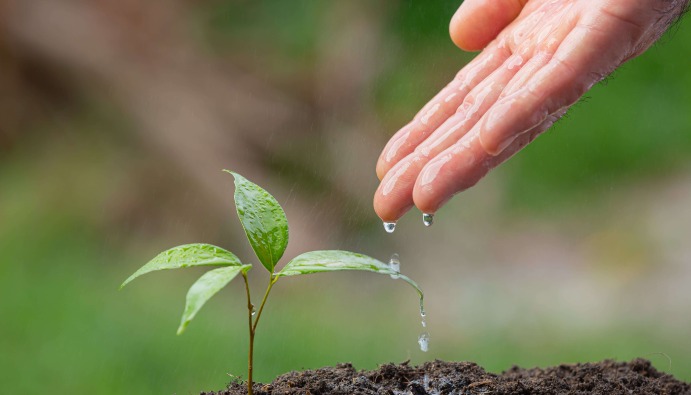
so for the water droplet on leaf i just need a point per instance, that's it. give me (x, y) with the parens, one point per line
(395, 265)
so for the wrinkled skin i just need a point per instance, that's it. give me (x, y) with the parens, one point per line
(538, 58)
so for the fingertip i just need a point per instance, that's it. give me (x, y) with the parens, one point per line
(490, 147)
(428, 194)
(427, 200)
(394, 196)
(380, 170)
(426, 206)
(462, 36)
(477, 22)
(388, 212)
(456, 169)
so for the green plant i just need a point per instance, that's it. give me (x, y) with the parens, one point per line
(266, 227)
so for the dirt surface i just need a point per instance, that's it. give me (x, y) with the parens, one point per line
(466, 378)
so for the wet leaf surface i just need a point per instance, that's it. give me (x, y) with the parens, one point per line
(336, 260)
(263, 219)
(187, 255)
(206, 287)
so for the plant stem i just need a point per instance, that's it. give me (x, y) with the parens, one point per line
(253, 326)
(250, 307)
(261, 306)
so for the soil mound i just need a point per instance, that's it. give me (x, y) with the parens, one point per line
(467, 378)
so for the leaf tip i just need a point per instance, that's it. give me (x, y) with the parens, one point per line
(183, 326)
(181, 329)
(129, 279)
(234, 174)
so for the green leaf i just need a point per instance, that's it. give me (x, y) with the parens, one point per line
(206, 287)
(263, 219)
(334, 260)
(187, 255)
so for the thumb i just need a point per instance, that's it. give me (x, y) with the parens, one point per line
(477, 22)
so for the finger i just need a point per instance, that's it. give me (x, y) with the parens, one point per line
(583, 58)
(539, 44)
(394, 195)
(463, 164)
(477, 22)
(443, 105)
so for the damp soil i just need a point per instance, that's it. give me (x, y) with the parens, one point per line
(467, 378)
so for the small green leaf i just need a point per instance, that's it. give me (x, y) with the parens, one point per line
(263, 219)
(187, 255)
(334, 260)
(206, 287)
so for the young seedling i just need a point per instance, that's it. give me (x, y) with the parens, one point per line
(266, 227)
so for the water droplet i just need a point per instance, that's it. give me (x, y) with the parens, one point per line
(423, 341)
(428, 219)
(423, 314)
(254, 311)
(395, 265)
(389, 227)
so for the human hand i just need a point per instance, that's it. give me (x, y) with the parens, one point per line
(539, 58)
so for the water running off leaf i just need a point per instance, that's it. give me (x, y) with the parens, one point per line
(395, 265)
(335, 260)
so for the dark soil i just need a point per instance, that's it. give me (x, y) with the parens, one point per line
(466, 378)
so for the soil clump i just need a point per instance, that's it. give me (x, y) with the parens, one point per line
(467, 378)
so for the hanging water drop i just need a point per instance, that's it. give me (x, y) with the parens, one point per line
(427, 219)
(389, 227)
(423, 341)
(254, 311)
(395, 265)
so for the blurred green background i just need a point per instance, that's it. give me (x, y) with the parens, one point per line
(117, 116)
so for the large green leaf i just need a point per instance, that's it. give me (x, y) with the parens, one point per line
(263, 219)
(334, 260)
(187, 255)
(206, 287)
